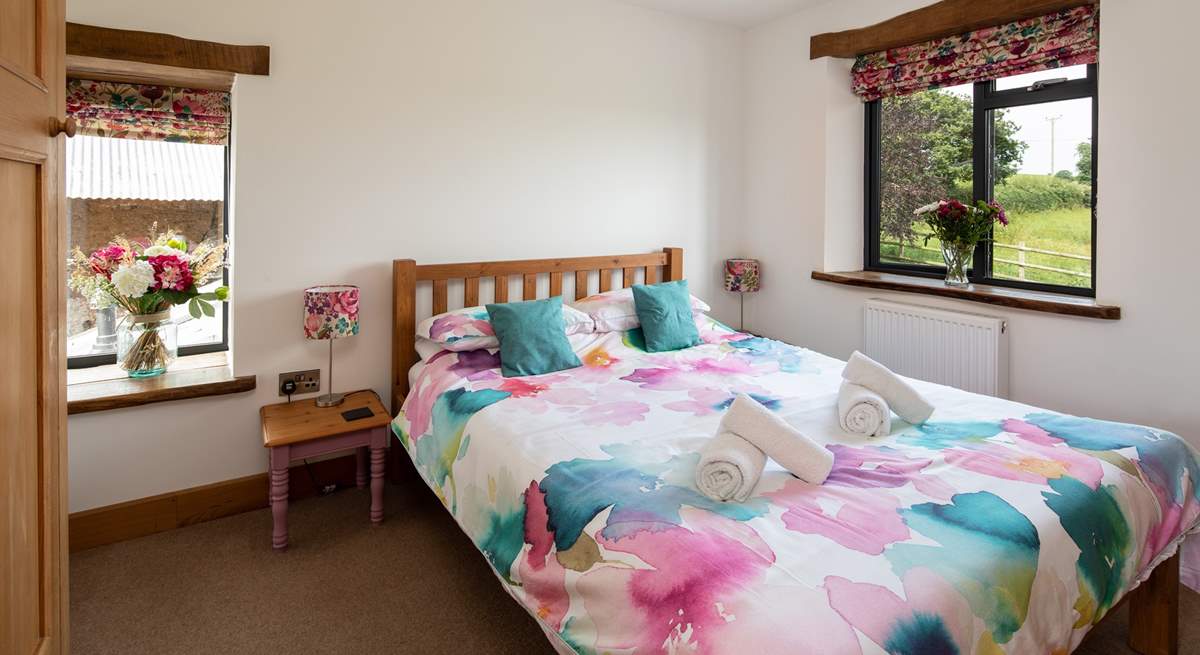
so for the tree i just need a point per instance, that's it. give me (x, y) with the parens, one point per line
(926, 147)
(1083, 162)
(1064, 174)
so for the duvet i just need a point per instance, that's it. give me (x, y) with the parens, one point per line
(994, 528)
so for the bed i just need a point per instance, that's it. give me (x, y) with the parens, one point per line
(996, 527)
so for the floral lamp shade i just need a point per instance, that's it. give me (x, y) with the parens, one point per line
(742, 275)
(331, 312)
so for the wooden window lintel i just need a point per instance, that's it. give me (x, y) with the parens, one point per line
(938, 20)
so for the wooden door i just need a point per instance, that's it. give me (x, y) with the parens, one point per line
(33, 495)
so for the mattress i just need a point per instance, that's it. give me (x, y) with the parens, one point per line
(995, 527)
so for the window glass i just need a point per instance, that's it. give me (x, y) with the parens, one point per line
(123, 187)
(1040, 152)
(1029, 79)
(1042, 174)
(925, 154)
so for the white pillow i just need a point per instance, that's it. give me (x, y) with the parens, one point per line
(469, 328)
(427, 348)
(614, 311)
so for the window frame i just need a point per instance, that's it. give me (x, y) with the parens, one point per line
(986, 99)
(89, 361)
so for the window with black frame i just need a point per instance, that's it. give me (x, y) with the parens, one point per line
(1026, 140)
(147, 159)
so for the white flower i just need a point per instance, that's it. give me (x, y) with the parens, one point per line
(164, 250)
(134, 280)
(101, 299)
(927, 208)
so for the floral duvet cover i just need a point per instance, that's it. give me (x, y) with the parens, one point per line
(994, 528)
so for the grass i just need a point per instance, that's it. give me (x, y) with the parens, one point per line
(1065, 231)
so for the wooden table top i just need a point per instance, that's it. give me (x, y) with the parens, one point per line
(302, 420)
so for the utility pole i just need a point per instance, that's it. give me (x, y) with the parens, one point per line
(1053, 120)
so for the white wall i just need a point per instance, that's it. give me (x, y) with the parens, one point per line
(804, 212)
(442, 130)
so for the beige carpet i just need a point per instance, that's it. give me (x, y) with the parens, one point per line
(413, 585)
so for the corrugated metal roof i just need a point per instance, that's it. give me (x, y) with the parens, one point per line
(101, 167)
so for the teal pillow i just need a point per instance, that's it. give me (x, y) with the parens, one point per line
(533, 339)
(665, 312)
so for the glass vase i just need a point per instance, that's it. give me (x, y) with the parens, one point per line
(958, 261)
(147, 344)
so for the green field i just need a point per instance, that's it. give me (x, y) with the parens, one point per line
(1065, 231)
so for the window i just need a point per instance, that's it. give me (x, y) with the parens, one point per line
(123, 186)
(1026, 141)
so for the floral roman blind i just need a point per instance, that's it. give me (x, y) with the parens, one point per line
(154, 113)
(1063, 38)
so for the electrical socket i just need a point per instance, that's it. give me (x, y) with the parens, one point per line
(306, 381)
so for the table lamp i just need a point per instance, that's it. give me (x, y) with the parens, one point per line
(742, 276)
(330, 312)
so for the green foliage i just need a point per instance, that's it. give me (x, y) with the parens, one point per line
(201, 303)
(1066, 231)
(1083, 162)
(926, 152)
(1026, 194)
(1065, 175)
(960, 224)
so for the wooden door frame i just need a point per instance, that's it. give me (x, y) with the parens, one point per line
(22, 142)
(52, 324)
(53, 315)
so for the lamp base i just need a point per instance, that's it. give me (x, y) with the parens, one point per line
(331, 399)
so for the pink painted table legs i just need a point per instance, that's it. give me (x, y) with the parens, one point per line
(377, 467)
(369, 444)
(279, 497)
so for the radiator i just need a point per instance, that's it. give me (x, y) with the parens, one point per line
(968, 351)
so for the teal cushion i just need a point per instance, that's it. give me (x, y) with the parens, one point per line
(533, 339)
(665, 312)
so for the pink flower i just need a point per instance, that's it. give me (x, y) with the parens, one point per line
(105, 260)
(312, 323)
(171, 272)
(1000, 215)
(347, 303)
(185, 107)
(952, 209)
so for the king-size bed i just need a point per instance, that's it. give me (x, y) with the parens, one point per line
(995, 527)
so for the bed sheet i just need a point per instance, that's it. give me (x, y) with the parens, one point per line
(996, 527)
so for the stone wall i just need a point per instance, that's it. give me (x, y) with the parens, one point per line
(92, 222)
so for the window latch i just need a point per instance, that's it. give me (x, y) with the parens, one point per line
(1041, 84)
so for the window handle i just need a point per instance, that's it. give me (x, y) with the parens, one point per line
(1041, 84)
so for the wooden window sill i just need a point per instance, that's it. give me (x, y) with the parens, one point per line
(1036, 301)
(103, 388)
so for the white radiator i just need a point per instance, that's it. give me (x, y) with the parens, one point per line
(968, 351)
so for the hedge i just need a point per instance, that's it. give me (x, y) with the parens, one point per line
(1026, 194)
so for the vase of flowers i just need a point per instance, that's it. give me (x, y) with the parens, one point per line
(958, 258)
(147, 344)
(146, 277)
(959, 227)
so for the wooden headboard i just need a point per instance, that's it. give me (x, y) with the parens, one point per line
(407, 275)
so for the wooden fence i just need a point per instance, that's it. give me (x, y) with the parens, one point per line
(1020, 262)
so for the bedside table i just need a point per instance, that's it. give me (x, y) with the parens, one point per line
(300, 429)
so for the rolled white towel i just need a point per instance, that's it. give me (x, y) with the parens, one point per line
(862, 411)
(803, 457)
(729, 467)
(900, 396)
